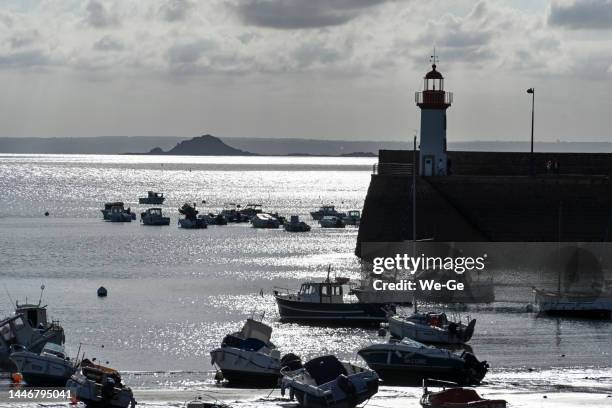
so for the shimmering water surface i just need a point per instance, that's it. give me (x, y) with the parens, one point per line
(173, 294)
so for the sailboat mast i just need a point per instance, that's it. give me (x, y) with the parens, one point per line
(414, 170)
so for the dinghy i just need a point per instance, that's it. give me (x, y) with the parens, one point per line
(409, 362)
(327, 382)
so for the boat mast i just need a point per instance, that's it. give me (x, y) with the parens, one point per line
(559, 249)
(414, 168)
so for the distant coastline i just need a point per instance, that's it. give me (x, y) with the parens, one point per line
(140, 145)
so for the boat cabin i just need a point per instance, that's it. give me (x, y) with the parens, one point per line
(154, 212)
(15, 330)
(109, 206)
(36, 315)
(153, 194)
(52, 349)
(320, 292)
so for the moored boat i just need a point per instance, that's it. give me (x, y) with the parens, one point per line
(352, 217)
(409, 362)
(295, 225)
(154, 216)
(323, 302)
(431, 327)
(152, 198)
(578, 304)
(191, 220)
(332, 222)
(327, 382)
(248, 357)
(264, 220)
(325, 211)
(119, 214)
(49, 368)
(455, 397)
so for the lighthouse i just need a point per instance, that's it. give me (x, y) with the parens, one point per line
(433, 101)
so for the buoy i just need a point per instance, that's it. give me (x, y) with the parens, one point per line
(102, 292)
(16, 378)
(46, 213)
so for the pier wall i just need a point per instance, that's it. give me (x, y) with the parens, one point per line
(492, 197)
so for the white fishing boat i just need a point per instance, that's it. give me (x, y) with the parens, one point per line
(264, 220)
(431, 327)
(327, 382)
(49, 368)
(154, 216)
(100, 387)
(332, 222)
(152, 198)
(248, 357)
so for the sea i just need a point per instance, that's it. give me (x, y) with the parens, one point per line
(173, 294)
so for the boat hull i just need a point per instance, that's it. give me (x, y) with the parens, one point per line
(574, 306)
(401, 328)
(40, 371)
(333, 313)
(310, 401)
(247, 368)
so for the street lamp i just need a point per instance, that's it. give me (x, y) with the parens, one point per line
(532, 92)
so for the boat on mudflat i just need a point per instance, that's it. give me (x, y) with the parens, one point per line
(431, 327)
(326, 382)
(248, 357)
(49, 368)
(323, 303)
(100, 387)
(455, 397)
(408, 362)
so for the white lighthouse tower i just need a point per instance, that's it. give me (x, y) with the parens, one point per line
(433, 101)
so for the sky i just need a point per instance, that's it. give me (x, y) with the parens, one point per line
(320, 69)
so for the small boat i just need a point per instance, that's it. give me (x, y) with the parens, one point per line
(409, 362)
(263, 220)
(295, 225)
(107, 212)
(213, 219)
(332, 222)
(233, 214)
(49, 368)
(323, 302)
(100, 387)
(456, 397)
(327, 382)
(119, 214)
(325, 211)
(431, 327)
(578, 304)
(248, 357)
(353, 217)
(154, 216)
(36, 315)
(198, 402)
(191, 220)
(251, 209)
(17, 334)
(152, 198)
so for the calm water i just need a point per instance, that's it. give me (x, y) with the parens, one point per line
(173, 294)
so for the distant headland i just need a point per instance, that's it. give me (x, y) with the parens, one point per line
(206, 145)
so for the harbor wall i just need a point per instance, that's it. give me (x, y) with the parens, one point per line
(492, 197)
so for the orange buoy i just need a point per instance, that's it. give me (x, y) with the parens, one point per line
(16, 378)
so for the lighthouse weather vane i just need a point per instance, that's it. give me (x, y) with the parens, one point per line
(434, 58)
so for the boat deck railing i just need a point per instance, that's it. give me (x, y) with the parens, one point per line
(393, 169)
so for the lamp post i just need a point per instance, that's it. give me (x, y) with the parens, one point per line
(532, 92)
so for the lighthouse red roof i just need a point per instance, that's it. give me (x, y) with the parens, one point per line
(433, 74)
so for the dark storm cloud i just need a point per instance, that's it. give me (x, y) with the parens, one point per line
(582, 14)
(296, 14)
(175, 10)
(98, 16)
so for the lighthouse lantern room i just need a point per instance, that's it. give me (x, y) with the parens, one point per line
(433, 101)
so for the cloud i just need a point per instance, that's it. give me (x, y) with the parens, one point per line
(108, 43)
(581, 14)
(298, 14)
(24, 59)
(175, 10)
(98, 16)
